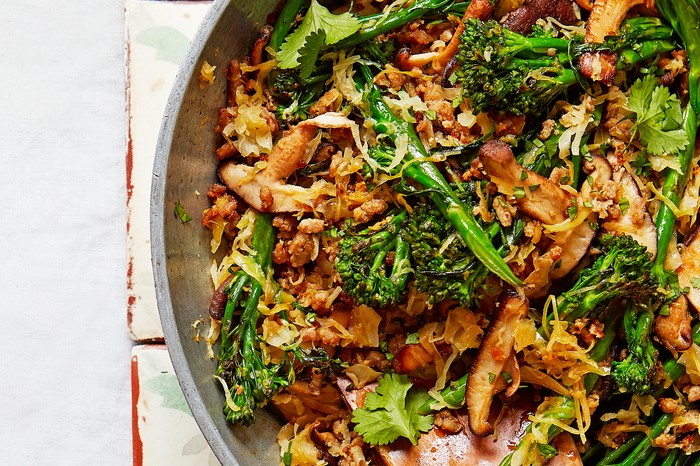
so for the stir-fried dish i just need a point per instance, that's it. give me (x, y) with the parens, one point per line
(463, 232)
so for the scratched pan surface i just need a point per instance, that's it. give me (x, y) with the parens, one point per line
(185, 166)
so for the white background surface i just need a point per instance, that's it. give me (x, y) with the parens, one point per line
(65, 352)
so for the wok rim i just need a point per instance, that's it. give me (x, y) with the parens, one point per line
(158, 256)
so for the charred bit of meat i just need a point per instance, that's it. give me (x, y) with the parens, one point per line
(599, 66)
(524, 17)
(447, 422)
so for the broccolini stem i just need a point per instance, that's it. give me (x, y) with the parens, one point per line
(598, 353)
(380, 23)
(593, 453)
(622, 450)
(284, 22)
(453, 395)
(236, 286)
(629, 57)
(427, 174)
(670, 459)
(695, 461)
(263, 243)
(251, 383)
(651, 459)
(642, 448)
(674, 370)
(684, 16)
(600, 350)
(673, 188)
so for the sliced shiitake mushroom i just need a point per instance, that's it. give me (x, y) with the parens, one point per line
(495, 349)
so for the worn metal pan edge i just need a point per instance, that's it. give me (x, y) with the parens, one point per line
(183, 170)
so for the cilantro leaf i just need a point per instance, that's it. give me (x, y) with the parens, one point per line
(392, 411)
(317, 18)
(658, 117)
(660, 142)
(640, 95)
(309, 53)
(181, 214)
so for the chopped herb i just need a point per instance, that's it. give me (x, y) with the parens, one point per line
(181, 214)
(573, 210)
(384, 348)
(519, 192)
(641, 164)
(565, 180)
(412, 338)
(430, 114)
(507, 377)
(492, 377)
(624, 205)
(588, 204)
(287, 456)
(533, 187)
(523, 175)
(695, 282)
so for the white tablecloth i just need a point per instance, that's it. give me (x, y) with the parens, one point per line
(65, 385)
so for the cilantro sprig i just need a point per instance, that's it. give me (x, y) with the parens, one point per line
(659, 119)
(393, 411)
(319, 27)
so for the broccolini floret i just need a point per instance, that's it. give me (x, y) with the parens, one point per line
(623, 270)
(636, 372)
(295, 95)
(444, 267)
(506, 71)
(374, 263)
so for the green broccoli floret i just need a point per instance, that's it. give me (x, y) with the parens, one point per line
(295, 95)
(623, 270)
(506, 71)
(374, 264)
(636, 372)
(495, 74)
